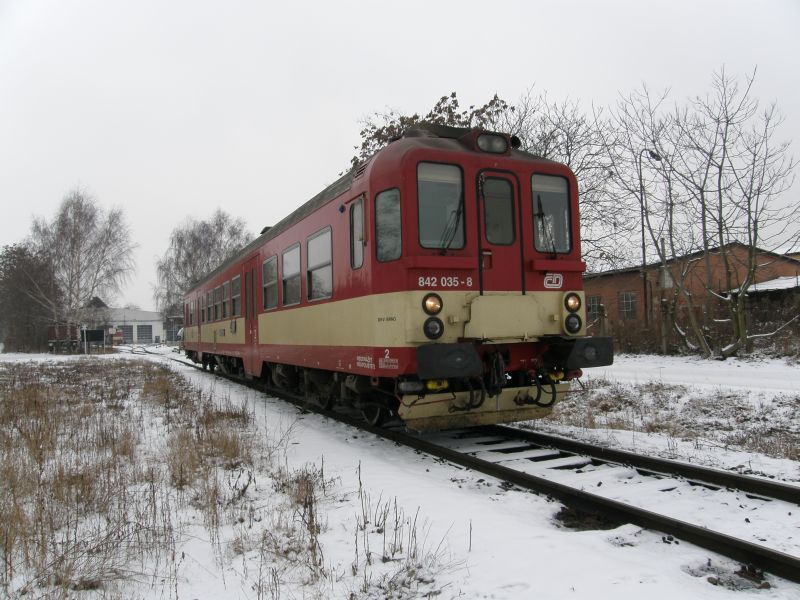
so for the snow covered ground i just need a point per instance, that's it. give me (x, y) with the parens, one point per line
(473, 537)
(736, 414)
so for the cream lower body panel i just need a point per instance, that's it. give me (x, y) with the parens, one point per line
(433, 411)
(395, 319)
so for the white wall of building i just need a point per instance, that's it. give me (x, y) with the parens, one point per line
(139, 326)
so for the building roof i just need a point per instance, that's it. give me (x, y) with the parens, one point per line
(781, 283)
(130, 315)
(787, 257)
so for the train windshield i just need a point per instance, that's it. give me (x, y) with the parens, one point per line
(440, 196)
(551, 214)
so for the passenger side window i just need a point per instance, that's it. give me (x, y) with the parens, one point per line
(290, 268)
(226, 292)
(236, 296)
(388, 230)
(320, 270)
(269, 275)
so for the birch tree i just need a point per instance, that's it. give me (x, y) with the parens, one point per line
(90, 253)
(195, 249)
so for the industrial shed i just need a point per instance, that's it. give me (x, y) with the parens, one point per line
(137, 326)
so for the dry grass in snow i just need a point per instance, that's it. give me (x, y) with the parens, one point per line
(725, 419)
(117, 476)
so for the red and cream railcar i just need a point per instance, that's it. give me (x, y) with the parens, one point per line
(440, 281)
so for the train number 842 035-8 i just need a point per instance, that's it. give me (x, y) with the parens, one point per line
(444, 281)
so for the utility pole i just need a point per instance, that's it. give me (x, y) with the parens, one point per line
(643, 212)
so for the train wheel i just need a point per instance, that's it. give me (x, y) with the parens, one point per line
(374, 414)
(325, 401)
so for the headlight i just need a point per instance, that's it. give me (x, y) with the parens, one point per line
(432, 304)
(572, 302)
(433, 328)
(496, 144)
(573, 323)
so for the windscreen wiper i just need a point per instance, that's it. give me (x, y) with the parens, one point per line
(547, 228)
(451, 228)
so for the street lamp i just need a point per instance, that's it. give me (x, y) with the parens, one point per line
(656, 157)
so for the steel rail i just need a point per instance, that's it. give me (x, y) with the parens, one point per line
(716, 477)
(767, 559)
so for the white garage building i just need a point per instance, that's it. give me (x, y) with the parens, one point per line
(137, 326)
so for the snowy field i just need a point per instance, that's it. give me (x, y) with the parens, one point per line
(742, 415)
(394, 523)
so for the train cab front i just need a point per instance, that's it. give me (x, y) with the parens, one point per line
(486, 366)
(495, 307)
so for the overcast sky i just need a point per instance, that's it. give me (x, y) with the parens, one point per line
(170, 109)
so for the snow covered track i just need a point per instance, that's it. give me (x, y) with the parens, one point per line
(658, 466)
(511, 458)
(626, 487)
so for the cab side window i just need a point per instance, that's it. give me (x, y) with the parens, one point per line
(357, 234)
(388, 229)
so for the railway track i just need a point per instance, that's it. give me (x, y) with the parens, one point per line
(625, 487)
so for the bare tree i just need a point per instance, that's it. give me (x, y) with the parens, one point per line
(559, 131)
(380, 128)
(195, 249)
(705, 176)
(90, 253)
(562, 131)
(735, 140)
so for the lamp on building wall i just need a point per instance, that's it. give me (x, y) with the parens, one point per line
(652, 155)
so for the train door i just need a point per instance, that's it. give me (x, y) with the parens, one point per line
(252, 359)
(500, 257)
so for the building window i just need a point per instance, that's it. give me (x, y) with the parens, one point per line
(440, 200)
(319, 275)
(627, 305)
(388, 226)
(269, 275)
(236, 296)
(593, 304)
(357, 233)
(290, 268)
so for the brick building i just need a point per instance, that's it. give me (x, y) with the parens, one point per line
(631, 299)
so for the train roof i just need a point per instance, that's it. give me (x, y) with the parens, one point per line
(334, 190)
(432, 134)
